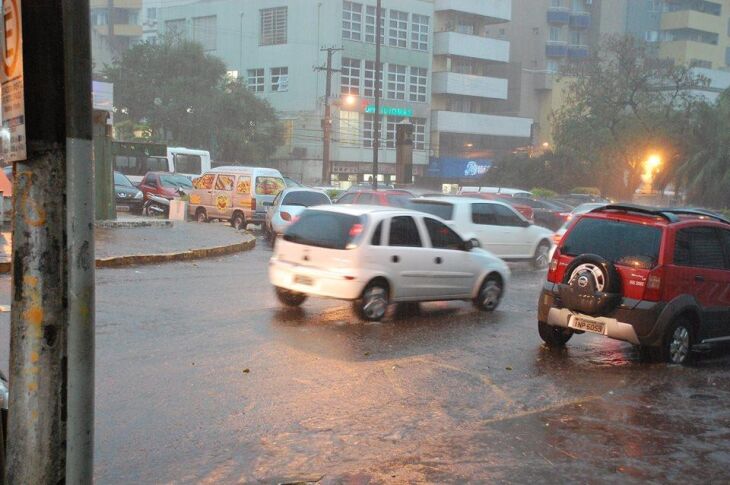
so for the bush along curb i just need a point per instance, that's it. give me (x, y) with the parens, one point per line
(143, 259)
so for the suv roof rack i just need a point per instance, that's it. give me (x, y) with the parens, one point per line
(640, 209)
(669, 213)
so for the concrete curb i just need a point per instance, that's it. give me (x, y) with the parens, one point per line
(143, 259)
(132, 224)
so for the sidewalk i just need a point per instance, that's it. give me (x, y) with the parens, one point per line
(138, 240)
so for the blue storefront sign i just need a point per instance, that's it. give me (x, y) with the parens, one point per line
(457, 168)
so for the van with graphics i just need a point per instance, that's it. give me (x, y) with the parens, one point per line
(240, 195)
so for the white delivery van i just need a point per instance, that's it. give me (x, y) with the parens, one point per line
(237, 194)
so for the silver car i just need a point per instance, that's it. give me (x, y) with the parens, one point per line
(288, 205)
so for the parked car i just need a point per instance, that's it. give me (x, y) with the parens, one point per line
(390, 197)
(236, 194)
(523, 209)
(653, 277)
(493, 225)
(546, 214)
(376, 255)
(581, 209)
(127, 196)
(164, 184)
(496, 190)
(287, 207)
(575, 200)
(290, 182)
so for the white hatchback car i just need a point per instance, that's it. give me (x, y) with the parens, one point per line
(495, 226)
(377, 255)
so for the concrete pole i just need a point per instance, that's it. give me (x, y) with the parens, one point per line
(52, 288)
(327, 122)
(79, 242)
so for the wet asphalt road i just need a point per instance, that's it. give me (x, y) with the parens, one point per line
(203, 378)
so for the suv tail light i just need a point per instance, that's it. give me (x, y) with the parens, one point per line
(653, 289)
(552, 275)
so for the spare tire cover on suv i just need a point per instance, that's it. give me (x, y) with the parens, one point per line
(591, 285)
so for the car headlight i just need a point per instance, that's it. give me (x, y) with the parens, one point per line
(138, 195)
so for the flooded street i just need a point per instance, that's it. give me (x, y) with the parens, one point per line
(203, 378)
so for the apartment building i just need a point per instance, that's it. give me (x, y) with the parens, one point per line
(470, 88)
(544, 36)
(427, 46)
(117, 22)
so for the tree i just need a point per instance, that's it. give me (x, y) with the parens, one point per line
(621, 105)
(706, 173)
(174, 92)
(548, 170)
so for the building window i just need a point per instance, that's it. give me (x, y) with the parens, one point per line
(279, 79)
(419, 133)
(464, 27)
(576, 38)
(273, 26)
(99, 17)
(700, 63)
(556, 34)
(175, 27)
(255, 80)
(651, 36)
(350, 128)
(352, 20)
(205, 32)
(417, 85)
(369, 79)
(463, 66)
(419, 32)
(396, 81)
(552, 66)
(151, 14)
(350, 76)
(370, 16)
(398, 29)
(368, 127)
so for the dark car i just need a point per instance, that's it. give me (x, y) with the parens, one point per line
(127, 196)
(547, 214)
(657, 278)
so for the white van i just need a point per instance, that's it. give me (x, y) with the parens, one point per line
(237, 194)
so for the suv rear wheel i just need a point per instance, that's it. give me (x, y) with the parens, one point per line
(678, 340)
(553, 336)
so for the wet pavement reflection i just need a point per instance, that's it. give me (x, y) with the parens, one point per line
(203, 378)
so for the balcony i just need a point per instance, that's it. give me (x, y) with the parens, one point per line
(469, 85)
(496, 11)
(556, 49)
(558, 15)
(464, 45)
(691, 19)
(580, 20)
(479, 124)
(578, 51)
(121, 30)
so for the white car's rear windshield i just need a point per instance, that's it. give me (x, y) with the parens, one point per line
(444, 210)
(324, 229)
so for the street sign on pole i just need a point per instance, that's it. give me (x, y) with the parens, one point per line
(12, 144)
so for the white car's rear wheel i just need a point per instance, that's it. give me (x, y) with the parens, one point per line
(373, 303)
(290, 298)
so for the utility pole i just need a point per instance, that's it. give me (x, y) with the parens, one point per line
(378, 78)
(327, 121)
(50, 419)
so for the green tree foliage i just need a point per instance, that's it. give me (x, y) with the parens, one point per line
(176, 93)
(706, 173)
(550, 170)
(621, 105)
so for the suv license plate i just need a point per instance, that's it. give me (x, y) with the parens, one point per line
(303, 280)
(580, 323)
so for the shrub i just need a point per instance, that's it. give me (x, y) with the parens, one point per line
(543, 193)
(587, 191)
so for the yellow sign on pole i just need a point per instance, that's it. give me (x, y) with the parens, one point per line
(12, 133)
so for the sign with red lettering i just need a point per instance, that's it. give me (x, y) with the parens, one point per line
(12, 133)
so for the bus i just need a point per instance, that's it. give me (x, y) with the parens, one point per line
(135, 159)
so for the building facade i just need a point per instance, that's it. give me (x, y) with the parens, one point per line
(117, 22)
(276, 46)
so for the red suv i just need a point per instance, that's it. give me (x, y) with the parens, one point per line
(657, 278)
